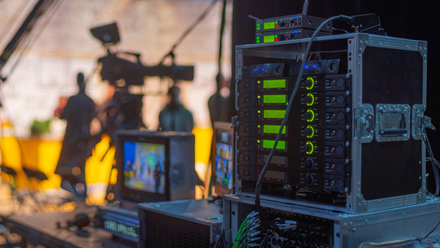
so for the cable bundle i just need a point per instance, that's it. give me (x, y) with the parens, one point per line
(249, 232)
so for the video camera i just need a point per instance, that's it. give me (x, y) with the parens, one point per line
(115, 68)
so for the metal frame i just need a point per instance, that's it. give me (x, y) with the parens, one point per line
(356, 44)
(349, 230)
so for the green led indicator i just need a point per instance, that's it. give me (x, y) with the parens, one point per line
(258, 82)
(258, 141)
(312, 100)
(270, 143)
(269, 25)
(274, 114)
(273, 129)
(312, 132)
(258, 28)
(274, 98)
(312, 83)
(269, 38)
(259, 111)
(311, 147)
(258, 41)
(258, 97)
(274, 83)
(312, 115)
(258, 126)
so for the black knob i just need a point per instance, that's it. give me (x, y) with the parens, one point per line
(308, 147)
(280, 37)
(309, 132)
(309, 82)
(307, 115)
(280, 23)
(310, 163)
(309, 180)
(307, 99)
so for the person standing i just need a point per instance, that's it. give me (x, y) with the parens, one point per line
(77, 143)
(218, 104)
(175, 117)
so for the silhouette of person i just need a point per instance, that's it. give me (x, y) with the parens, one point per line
(218, 105)
(175, 117)
(77, 143)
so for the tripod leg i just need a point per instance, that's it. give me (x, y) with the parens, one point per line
(67, 186)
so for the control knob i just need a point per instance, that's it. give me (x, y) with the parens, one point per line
(309, 180)
(308, 147)
(310, 163)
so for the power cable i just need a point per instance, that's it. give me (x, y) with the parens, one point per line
(434, 162)
(283, 122)
(222, 29)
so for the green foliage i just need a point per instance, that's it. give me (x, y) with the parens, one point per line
(40, 127)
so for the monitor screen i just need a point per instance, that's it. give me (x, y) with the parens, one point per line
(223, 169)
(144, 166)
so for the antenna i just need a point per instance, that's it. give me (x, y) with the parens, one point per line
(255, 18)
(305, 7)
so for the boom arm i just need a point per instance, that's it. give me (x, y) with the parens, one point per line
(22, 34)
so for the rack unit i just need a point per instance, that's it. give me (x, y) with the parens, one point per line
(339, 229)
(352, 142)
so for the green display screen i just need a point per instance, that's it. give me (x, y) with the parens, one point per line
(275, 114)
(269, 25)
(269, 38)
(274, 83)
(269, 144)
(273, 129)
(274, 99)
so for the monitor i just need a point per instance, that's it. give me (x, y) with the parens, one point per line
(155, 166)
(223, 169)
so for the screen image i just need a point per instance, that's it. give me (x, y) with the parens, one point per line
(144, 167)
(224, 174)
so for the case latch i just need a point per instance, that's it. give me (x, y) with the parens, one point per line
(364, 117)
(393, 122)
(419, 121)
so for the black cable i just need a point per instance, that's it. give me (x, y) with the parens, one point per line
(222, 28)
(339, 29)
(31, 41)
(432, 230)
(50, 243)
(435, 165)
(434, 162)
(289, 106)
(189, 30)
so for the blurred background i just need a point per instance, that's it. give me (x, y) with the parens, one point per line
(41, 74)
(61, 45)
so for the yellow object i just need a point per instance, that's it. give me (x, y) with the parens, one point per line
(43, 155)
(11, 157)
(203, 138)
(97, 170)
